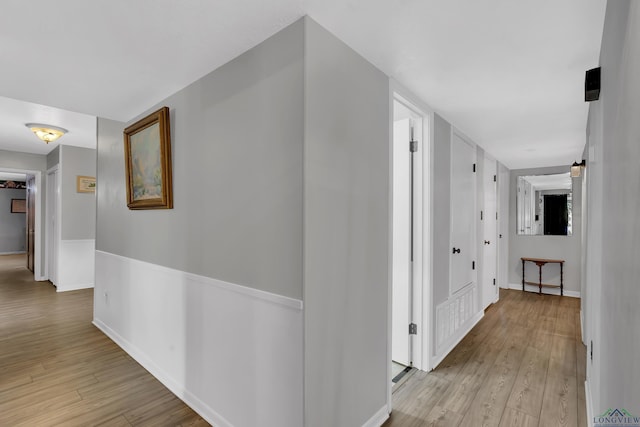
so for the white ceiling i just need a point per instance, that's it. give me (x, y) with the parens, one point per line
(509, 74)
(559, 181)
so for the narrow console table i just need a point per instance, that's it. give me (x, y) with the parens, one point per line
(540, 262)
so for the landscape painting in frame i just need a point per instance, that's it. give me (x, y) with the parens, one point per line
(147, 145)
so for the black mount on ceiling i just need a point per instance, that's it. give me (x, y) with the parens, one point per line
(592, 85)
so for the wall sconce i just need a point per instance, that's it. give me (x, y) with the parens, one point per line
(576, 169)
(47, 133)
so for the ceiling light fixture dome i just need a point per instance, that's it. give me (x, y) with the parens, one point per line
(47, 133)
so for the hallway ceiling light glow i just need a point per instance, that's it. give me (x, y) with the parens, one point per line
(576, 169)
(47, 133)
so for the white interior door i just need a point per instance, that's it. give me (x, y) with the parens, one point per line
(52, 226)
(401, 269)
(463, 193)
(489, 224)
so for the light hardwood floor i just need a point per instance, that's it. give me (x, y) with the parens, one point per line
(523, 364)
(56, 368)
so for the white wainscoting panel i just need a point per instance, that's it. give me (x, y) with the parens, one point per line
(454, 319)
(232, 353)
(76, 264)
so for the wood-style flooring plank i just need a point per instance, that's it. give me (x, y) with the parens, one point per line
(56, 368)
(423, 397)
(521, 365)
(528, 389)
(442, 417)
(514, 418)
(490, 400)
(560, 402)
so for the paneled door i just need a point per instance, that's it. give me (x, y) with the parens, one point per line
(489, 232)
(401, 270)
(463, 217)
(31, 220)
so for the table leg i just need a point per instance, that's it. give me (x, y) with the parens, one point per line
(523, 275)
(561, 284)
(540, 278)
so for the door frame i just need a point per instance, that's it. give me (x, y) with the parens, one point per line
(38, 273)
(54, 233)
(489, 216)
(422, 283)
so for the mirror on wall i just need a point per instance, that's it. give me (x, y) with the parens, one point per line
(544, 205)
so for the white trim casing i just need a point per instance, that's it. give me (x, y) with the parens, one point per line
(38, 273)
(232, 353)
(423, 295)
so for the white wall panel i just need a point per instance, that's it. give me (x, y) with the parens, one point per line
(76, 264)
(234, 354)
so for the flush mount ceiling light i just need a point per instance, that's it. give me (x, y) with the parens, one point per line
(47, 133)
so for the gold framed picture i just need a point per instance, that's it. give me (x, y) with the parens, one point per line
(147, 147)
(18, 206)
(85, 184)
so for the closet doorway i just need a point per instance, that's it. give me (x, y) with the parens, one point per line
(410, 243)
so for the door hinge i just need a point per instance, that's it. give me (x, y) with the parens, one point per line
(474, 168)
(481, 216)
(591, 351)
(496, 216)
(473, 265)
(494, 282)
(495, 178)
(413, 146)
(413, 329)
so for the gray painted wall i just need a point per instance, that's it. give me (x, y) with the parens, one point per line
(441, 212)
(613, 206)
(557, 247)
(78, 209)
(346, 227)
(53, 158)
(237, 138)
(31, 162)
(15, 160)
(12, 225)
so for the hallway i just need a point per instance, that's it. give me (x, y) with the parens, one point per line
(58, 369)
(523, 364)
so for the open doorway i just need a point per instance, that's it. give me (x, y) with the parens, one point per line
(410, 241)
(24, 235)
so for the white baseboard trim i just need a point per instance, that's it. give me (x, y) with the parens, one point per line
(548, 291)
(589, 403)
(73, 287)
(196, 404)
(13, 253)
(378, 418)
(435, 361)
